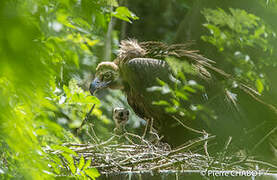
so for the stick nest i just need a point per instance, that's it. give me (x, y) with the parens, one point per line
(121, 154)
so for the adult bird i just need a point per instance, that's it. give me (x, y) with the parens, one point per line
(140, 68)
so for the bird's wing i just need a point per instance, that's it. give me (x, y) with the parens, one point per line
(161, 50)
(140, 79)
(142, 73)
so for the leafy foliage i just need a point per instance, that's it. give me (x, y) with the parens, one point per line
(46, 47)
(238, 35)
(185, 93)
(66, 165)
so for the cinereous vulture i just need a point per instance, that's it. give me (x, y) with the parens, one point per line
(237, 110)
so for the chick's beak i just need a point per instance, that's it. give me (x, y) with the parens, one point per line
(96, 85)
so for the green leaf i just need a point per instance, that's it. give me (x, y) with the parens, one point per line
(190, 89)
(56, 160)
(75, 59)
(181, 95)
(56, 167)
(171, 110)
(259, 85)
(161, 103)
(81, 162)
(64, 149)
(124, 14)
(70, 162)
(87, 164)
(113, 3)
(92, 173)
(162, 83)
(62, 17)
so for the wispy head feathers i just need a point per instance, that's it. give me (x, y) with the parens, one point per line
(130, 49)
(106, 65)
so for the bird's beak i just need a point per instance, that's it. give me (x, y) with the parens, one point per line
(97, 84)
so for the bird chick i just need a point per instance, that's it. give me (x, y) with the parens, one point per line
(120, 117)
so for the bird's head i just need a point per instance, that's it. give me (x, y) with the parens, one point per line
(120, 115)
(107, 76)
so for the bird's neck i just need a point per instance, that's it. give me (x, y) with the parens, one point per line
(118, 84)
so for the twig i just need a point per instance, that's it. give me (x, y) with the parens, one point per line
(238, 162)
(167, 164)
(92, 130)
(188, 128)
(140, 138)
(261, 163)
(94, 146)
(191, 145)
(206, 145)
(264, 138)
(74, 144)
(130, 141)
(222, 155)
(96, 141)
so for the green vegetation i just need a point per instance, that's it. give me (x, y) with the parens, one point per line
(49, 50)
(237, 34)
(45, 47)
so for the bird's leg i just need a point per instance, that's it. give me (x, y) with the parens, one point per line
(145, 130)
(124, 128)
(116, 132)
(120, 131)
(153, 131)
(124, 131)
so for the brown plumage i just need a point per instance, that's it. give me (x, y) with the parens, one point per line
(138, 66)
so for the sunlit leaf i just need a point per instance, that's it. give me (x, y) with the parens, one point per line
(70, 162)
(123, 13)
(259, 86)
(92, 173)
(161, 103)
(81, 162)
(87, 164)
(64, 149)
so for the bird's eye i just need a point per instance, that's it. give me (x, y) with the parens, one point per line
(128, 113)
(107, 76)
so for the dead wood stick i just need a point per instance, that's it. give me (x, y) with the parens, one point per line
(261, 163)
(264, 138)
(82, 149)
(190, 145)
(187, 127)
